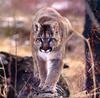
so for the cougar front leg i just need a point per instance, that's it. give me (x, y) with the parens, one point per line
(53, 75)
(42, 72)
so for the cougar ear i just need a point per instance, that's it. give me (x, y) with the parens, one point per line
(55, 26)
(36, 27)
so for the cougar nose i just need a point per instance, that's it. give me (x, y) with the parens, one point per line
(47, 50)
(45, 47)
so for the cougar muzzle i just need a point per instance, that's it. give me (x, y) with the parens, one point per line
(45, 44)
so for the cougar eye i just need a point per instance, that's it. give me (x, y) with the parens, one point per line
(53, 42)
(38, 39)
(36, 27)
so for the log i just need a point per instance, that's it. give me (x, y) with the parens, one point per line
(20, 79)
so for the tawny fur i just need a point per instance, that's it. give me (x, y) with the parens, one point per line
(50, 64)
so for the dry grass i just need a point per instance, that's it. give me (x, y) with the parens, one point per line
(7, 46)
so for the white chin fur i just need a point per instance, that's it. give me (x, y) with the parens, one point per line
(45, 51)
(43, 54)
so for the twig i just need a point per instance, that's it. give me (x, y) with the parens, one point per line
(2, 76)
(5, 79)
(24, 85)
(92, 66)
(16, 66)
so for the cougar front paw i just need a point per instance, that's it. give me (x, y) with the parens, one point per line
(41, 85)
(49, 89)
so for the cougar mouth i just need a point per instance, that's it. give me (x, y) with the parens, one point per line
(46, 50)
(45, 44)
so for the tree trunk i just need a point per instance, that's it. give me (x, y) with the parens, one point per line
(92, 33)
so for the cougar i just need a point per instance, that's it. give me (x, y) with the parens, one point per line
(50, 32)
